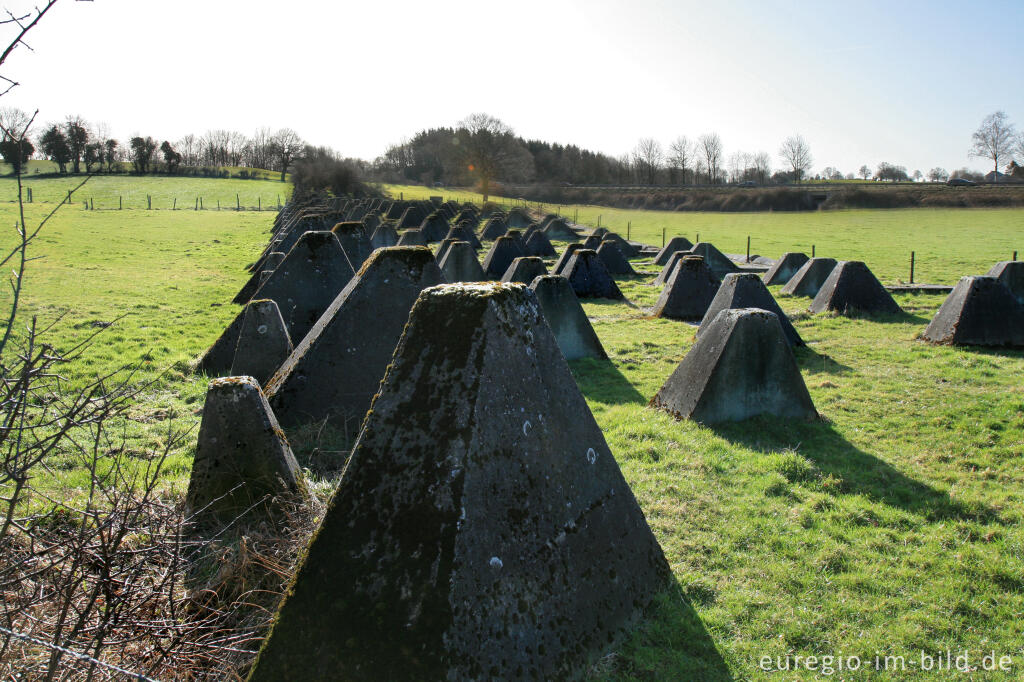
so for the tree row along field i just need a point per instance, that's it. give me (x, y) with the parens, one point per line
(948, 243)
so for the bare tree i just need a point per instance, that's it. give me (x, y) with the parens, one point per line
(709, 146)
(286, 145)
(188, 147)
(864, 171)
(681, 156)
(762, 165)
(647, 158)
(994, 139)
(486, 144)
(938, 174)
(797, 155)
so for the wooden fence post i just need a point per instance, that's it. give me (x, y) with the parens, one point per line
(812, 250)
(748, 248)
(174, 206)
(238, 202)
(120, 203)
(911, 267)
(663, 237)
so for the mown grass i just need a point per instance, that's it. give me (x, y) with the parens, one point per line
(891, 526)
(948, 243)
(103, 192)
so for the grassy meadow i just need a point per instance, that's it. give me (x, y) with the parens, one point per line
(890, 527)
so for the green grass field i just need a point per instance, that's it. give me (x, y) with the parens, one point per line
(891, 527)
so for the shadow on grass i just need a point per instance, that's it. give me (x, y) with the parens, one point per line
(602, 381)
(813, 362)
(670, 644)
(860, 472)
(608, 301)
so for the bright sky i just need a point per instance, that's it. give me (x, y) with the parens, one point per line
(863, 82)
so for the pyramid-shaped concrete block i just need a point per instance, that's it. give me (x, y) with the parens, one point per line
(443, 247)
(263, 342)
(592, 242)
(384, 236)
(589, 277)
(564, 259)
(518, 218)
(716, 261)
(524, 270)
(852, 289)
(412, 237)
(434, 227)
(268, 264)
(218, 357)
(334, 372)
(489, 536)
(1011, 274)
(564, 314)
(688, 292)
(980, 311)
(463, 233)
(371, 221)
(808, 279)
(558, 229)
(459, 264)
(672, 263)
(503, 251)
(611, 255)
(746, 290)
(740, 367)
(628, 250)
(785, 268)
(494, 227)
(537, 244)
(675, 244)
(311, 276)
(242, 457)
(355, 241)
(411, 217)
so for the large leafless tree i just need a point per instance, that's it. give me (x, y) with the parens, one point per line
(487, 145)
(994, 139)
(647, 159)
(680, 156)
(797, 155)
(709, 146)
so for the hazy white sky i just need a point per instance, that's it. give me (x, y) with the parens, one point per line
(863, 82)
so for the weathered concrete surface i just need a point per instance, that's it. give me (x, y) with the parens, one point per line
(434, 227)
(746, 290)
(564, 314)
(334, 372)
(1011, 274)
(384, 236)
(524, 270)
(443, 247)
(263, 342)
(460, 264)
(218, 357)
(564, 259)
(312, 274)
(355, 241)
(269, 264)
(785, 268)
(464, 233)
(412, 237)
(482, 528)
(538, 244)
(675, 244)
(592, 242)
(689, 291)
(371, 221)
(852, 288)
(559, 229)
(981, 311)
(412, 217)
(589, 277)
(612, 257)
(716, 261)
(494, 227)
(808, 279)
(740, 367)
(517, 236)
(518, 218)
(672, 263)
(503, 251)
(627, 249)
(242, 456)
